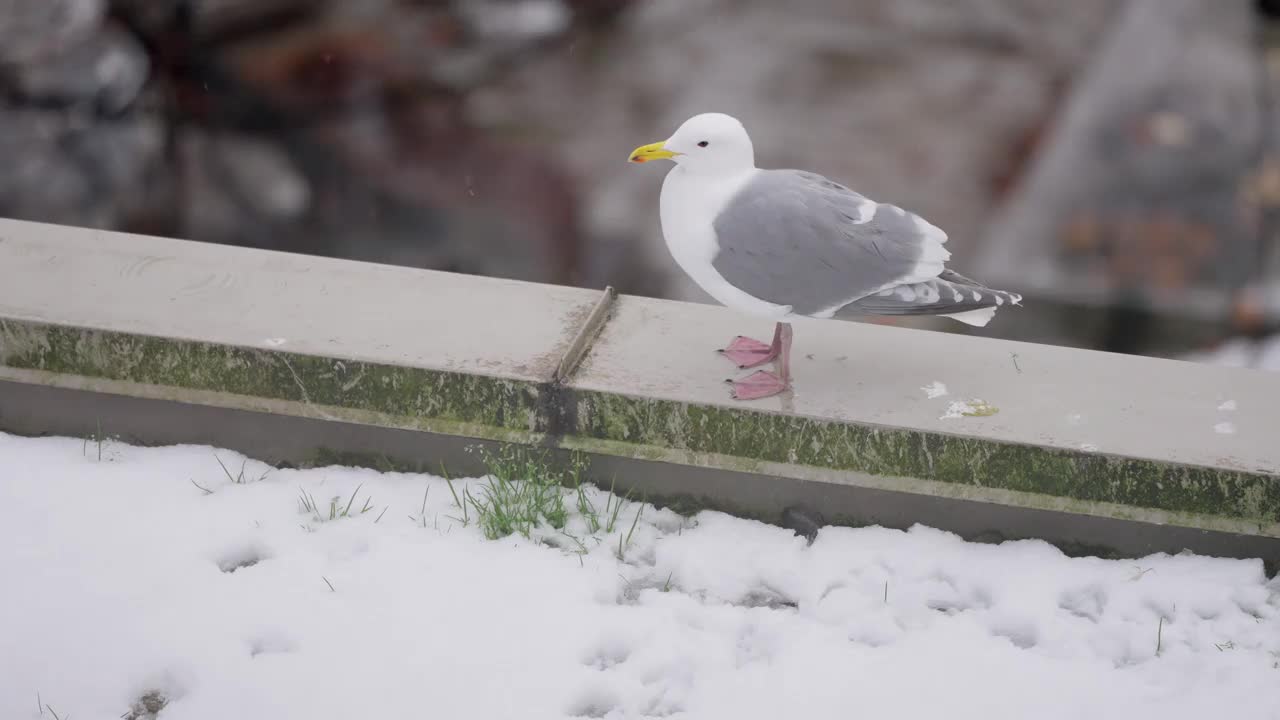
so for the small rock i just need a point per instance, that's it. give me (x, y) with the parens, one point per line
(32, 30)
(107, 70)
(806, 523)
(62, 168)
(147, 707)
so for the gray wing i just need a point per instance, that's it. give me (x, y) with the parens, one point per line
(796, 238)
(949, 294)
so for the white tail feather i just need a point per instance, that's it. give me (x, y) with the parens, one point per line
(977, 318)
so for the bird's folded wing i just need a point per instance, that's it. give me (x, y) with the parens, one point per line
(798, 239)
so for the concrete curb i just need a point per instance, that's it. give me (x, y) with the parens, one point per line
(160, 332)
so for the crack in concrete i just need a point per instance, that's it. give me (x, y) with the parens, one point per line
(306, 399)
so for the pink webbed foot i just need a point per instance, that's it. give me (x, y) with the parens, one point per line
(759, 384)
(748, 353)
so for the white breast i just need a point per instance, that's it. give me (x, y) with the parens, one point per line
(689, 205)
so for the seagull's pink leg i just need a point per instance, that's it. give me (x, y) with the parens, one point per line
(762, 384)
(748, 353)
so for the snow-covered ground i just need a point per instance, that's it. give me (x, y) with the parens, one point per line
(123, 578)
(1263, 354)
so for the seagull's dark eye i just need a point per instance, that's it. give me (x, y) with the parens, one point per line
(704, 143)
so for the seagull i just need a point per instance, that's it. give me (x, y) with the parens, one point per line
(782, 244)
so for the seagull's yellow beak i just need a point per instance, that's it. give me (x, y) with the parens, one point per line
(652, 151)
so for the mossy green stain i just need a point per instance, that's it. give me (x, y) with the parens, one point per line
(308, 379)
(980, 408)
(643, 425)
(896, 452)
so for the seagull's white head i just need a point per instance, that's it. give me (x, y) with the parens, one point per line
(710, 143)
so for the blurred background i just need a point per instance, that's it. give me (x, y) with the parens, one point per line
(1116, 161)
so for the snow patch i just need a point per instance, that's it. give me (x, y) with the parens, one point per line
(1263, 354)
(934, 389)
(405, 610)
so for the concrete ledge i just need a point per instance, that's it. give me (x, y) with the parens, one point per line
(1181, 455)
